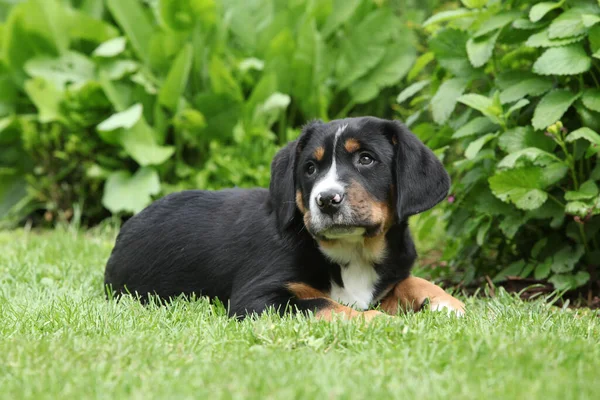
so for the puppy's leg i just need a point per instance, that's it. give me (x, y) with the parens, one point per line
(411, 293)
(307, 298)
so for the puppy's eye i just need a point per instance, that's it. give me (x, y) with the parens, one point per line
(310, 169)
(365, 159)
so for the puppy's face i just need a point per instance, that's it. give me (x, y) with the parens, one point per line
(344, 180)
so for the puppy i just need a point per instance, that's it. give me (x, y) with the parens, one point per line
(330, 235)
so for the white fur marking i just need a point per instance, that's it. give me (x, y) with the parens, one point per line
(446, 306)
(331, 179)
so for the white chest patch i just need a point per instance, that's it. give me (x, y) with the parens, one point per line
(358, 274)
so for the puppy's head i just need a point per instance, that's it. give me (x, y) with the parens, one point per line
(355, 177)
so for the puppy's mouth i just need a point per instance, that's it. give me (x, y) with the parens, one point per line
(347, 231)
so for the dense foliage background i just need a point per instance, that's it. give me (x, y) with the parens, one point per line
(107, 104)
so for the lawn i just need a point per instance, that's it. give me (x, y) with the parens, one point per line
(59, 338)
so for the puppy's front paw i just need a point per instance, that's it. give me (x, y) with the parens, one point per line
(447, 303)
(369, 315)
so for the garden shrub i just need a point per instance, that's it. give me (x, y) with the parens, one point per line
(508, 93)
(107, 104)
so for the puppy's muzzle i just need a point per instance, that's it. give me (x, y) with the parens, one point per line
(330, 201)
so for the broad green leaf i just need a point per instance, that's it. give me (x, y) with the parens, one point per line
(564, 260)
(411, 91)
(590, 20)
(177, 78)
(586, 191)
(71, 67)
(222, 80)
(517, 106)
(567, 60)
(444, 101)
(13, 188)
(594, 38)
(541, 39)
(132, 18)
(475, 126)
(47, 99)
(521, 186)
(591, 99)
(584, 133)
(569, 281)
(529, 87)
(526, 24)
(497, 21)
(222, 113)
(475, 146)
(513, 269)
(538, 247)
(511, 224)
(552, 107)
(394, 66)
(84, 26)
(568, 24)
(449, 15)
(125, 119)
(268, 112)
(131, 194)
(542, 270)
(344, 9)
(117, 69)
(533, 154)
(579, 208)
(488, 107)
(538, 11)
(450, 49)
(480, 49)
(140, 143)
(553, 173)
(520, 138)
(111, 48)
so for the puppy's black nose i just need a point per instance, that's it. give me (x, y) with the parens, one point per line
(329, 201)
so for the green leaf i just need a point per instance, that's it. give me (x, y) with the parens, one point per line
(482, 232)
(130, 194)
(526, 24)
(542, 270)
(177, 78)
(450, 49)
(84, 26)
(552, 107)
(344, 9)
(567, 60)
(475, 146)
(578, 208)
(420, 63)
(411, 91)
(444, 101)
(533, 154)
(71, 67)
(513, 269)
(111, 48)
(541, 39)
(591, 99)
(394, 66)
(117, 69)
(538, 11)
(517, 106)
(586, 191)
(538, 247)
(529, 87)
(480, 50)
(586, 134)
(568, 24)
(521, 186)
(13, 188)
(125, 119)
(569, 281)
(496, 22)
(134, 21)
(449, 15)
(590, 20)
(553, 173)
(520, 138)
(47, 99)
(475, 126)
(140, 143)
(564, 260)
(488, 107)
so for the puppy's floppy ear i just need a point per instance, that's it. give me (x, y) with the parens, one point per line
(420, 178)
(283, 177)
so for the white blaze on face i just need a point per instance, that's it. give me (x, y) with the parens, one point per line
(331, 180)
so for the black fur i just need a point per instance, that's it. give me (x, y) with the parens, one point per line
(244, 246)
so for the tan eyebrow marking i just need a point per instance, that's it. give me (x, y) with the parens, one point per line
(351, 145)
(319, 153)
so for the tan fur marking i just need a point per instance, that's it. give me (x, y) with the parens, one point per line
(319, 153)
(366, 208)
(351, 145)
(412, 292)
(299, 203)
(303, 291)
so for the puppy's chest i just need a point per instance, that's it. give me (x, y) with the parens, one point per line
(358, 278)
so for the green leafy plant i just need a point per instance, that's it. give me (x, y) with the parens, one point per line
(106, 104)
(509, 94)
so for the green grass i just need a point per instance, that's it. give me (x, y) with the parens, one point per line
(59, 338)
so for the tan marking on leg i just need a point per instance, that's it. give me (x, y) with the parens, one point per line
(410, 294)
(299, 202)
(303, 291)
(351, 145)
(319, 153)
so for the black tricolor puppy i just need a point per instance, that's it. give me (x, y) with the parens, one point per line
(330, 235)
